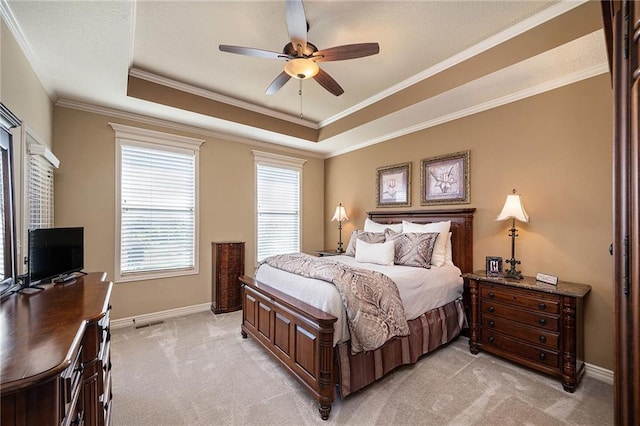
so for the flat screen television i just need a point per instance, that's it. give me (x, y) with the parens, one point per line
(55, 253)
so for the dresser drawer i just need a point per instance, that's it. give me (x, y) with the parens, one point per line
(519, 349)
(534, 300)
(534, 335)
(547, 322)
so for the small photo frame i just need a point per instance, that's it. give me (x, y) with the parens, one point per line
(393, 186)
(494, 266)
(445, 179)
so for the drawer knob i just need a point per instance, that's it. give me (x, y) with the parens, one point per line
(541, 305)
(542, 321)
(491, 309)
(492, 323)
(542, 356)
(490, 339)
(491, 295)
(543, 339)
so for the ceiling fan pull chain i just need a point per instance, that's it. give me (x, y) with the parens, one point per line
(300, 93)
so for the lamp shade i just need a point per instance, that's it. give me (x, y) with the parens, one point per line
(340, 214)
(301, 68)
(513, 208)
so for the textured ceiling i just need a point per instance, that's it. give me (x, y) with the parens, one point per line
(83, 52)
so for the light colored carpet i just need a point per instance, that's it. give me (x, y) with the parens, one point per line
(197, 370)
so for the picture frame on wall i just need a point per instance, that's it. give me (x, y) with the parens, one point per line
(393, 186)
(445, 179)
(494, 266)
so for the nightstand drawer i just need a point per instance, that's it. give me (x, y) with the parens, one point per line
(532, 353)
(547, 322)
(532, 335)
(548, 303)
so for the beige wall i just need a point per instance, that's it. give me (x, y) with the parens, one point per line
(22, 91)
(24, 95)
(85, 196)
(555, 149)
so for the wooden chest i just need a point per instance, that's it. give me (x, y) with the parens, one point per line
(227, 268)
(534, 324)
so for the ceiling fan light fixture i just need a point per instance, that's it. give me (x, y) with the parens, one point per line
(301, 68)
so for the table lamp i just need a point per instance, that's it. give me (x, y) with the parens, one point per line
(340, 215)
(513, 209)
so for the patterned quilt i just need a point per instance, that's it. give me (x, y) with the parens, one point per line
(374, 310)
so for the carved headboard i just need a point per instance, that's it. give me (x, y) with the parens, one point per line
(461, 229)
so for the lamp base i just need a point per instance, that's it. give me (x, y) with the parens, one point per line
(516, 275)
(513, 273)
(339, 250)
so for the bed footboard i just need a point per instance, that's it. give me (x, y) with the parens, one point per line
(297, 335)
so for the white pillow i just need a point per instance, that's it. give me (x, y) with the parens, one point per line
(448, 255)
(440, 249)
(371, 226)
(380, 253)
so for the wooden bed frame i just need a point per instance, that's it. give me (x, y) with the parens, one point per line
(300, 336)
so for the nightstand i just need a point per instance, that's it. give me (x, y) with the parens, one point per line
(534, 324)
(327, 252)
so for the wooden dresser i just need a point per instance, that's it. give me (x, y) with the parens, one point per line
(55, 366)
(529, 322)
(227, 268)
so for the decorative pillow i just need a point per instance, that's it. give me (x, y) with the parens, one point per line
(378, 253)
(448, 255)
(367, 237)
(371, 226)
(413, 249)
(439, 251)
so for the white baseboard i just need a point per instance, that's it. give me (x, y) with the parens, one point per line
(599, 373)
(159, 316)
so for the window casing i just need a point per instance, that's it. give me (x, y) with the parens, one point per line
(156, 204)
(278, 204)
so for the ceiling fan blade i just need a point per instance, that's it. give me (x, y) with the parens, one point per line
(250, 51)
(297, 25)
(348, 51)
(276, 84)
(326, 81)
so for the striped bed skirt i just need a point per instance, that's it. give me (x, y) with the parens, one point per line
(426, 333)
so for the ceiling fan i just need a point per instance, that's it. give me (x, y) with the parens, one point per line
(301, 56)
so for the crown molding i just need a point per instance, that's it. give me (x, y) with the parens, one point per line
(493, 41)
(139, 118)
(204, 93)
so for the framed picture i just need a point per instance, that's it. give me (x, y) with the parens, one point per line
(445, 179)
(393, 185)
(494, 266)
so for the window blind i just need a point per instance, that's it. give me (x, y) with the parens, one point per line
(40, 192)
(278, 210)
(158, 209)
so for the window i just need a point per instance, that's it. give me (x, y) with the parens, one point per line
(278, 189)
(39, 196)
(157, 204)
